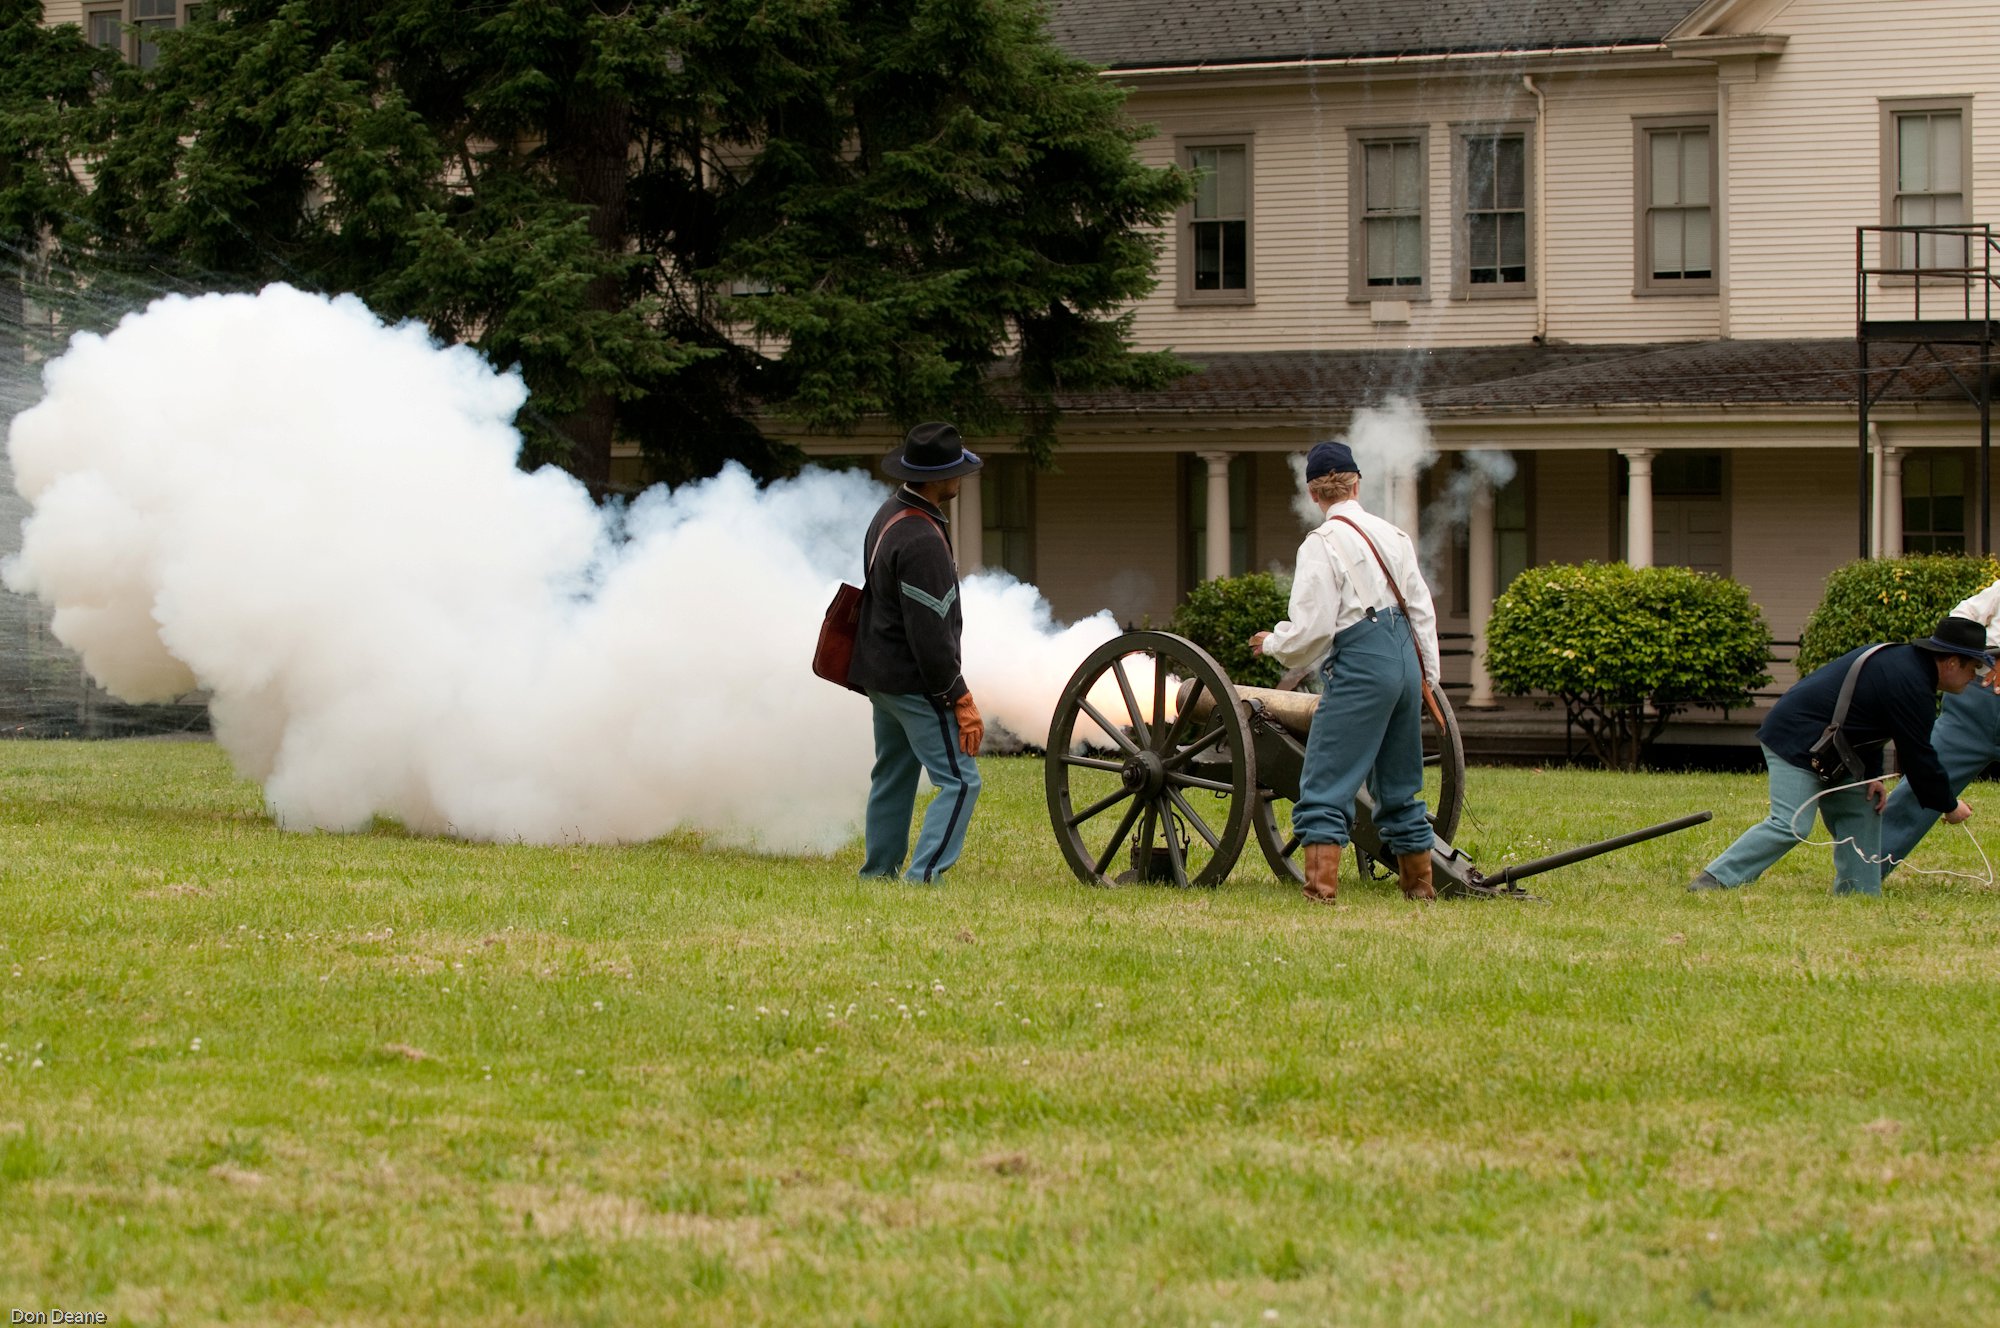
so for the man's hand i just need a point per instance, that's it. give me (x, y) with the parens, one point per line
(1257, 643)
(1878, 797)
(971, 728)
(1958, 813)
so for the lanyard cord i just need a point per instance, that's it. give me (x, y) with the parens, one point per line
(1806, 807)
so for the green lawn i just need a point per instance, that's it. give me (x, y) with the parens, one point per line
(261, 1077)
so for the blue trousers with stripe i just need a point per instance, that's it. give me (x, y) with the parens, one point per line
(1369, 727)
(1967, 738)
(915, 732)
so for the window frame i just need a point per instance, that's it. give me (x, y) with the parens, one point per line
(1967, 470)
(1644, 283)
(1184, 222)
(1891, 159)
(1008, 463)
(1359, 138)
(1462, 285)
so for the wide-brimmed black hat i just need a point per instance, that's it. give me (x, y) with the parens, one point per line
(1957, 636)
(931, 452)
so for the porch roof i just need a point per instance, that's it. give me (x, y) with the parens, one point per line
(1463, 380)
(1138, 34)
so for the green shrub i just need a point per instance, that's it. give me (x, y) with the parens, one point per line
(1627, 648)
(1222, 615)
(1889, 599)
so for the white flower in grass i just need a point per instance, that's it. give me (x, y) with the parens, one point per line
(597, 1005)
(37, 1065)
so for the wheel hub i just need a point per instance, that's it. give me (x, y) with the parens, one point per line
(1144, 773)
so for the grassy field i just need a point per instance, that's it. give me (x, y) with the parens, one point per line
(260, 1077)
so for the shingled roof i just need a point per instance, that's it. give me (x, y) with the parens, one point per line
(1511, 379)
(1137, 34)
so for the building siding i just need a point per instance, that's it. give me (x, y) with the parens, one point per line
(1107, 537)
(1805, 152)
(62, 11)
(1300, 220)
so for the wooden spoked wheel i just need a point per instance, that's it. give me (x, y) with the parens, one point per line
(1144, 784)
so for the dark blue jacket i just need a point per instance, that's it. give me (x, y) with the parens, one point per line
(1896, 697)
(908, 638)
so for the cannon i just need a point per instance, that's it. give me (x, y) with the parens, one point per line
(1153, 743)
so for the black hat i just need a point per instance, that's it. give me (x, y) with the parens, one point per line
(1335, 458)
(1957, 636)
(931, 452)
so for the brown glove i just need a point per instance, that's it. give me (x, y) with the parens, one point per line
(971, 728)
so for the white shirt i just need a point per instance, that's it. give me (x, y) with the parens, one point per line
(1337, 581)
(1984, 609)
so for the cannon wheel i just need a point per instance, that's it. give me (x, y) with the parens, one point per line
(1172, 787)
(1443, 749)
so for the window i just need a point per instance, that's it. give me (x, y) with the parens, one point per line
(105, 28)
(1926, 162)
(1934, 503)
(1006, 515)
(1676, 223)
(1215, 258)
(1493, 204)
(1194, 484)
(1390, 250)
(132, 29)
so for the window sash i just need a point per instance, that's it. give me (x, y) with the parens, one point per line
(1680, 223)
(1496, 219)
(1216, 245)
(1930, 187)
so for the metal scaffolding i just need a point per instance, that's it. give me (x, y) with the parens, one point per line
(1929, 287)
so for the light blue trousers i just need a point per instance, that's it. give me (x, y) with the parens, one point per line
(914, 732)
(1368, 728)
(1967, 738)
(1857, 868)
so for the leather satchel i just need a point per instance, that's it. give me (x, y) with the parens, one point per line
(833, 657)
(1832, 757)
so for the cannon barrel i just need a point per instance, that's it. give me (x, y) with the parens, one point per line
(1293, 710)
(1536, 866)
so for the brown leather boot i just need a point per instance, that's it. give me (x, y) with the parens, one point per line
(1413, 872)
(1322, 872)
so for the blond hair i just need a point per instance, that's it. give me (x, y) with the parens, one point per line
(1335, 488)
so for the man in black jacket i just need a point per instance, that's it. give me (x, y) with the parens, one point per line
(1895, 697)
(906, 657)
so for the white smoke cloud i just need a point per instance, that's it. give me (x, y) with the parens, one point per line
(1450, 508)
(319, 519)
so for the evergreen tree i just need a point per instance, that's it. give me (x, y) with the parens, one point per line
(50, 81)
(636, 203)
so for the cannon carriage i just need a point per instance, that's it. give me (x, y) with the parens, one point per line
(1159, 768)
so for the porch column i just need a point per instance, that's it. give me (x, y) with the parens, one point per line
(1892, 504)
(1482, 578)
(968, 527)
(1217, 563)
(1639, 505)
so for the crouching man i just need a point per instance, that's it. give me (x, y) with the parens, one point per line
(1894, 698)
(1359, 605)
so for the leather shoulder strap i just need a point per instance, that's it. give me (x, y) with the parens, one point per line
(1430, 701)
(1380, 562)
(884, 533)
(1847, 684)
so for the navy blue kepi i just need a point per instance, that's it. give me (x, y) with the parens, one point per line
(1330, 459)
